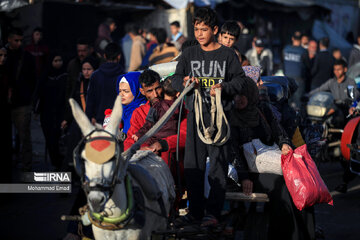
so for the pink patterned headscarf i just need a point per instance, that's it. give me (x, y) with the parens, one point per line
(252, 72)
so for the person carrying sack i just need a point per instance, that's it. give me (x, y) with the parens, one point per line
(251, 120)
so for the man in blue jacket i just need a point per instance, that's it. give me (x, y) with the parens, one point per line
(101, 93)
(294, 67)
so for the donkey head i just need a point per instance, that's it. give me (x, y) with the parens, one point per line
(97, 157)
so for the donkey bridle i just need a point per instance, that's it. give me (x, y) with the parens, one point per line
(80, 166)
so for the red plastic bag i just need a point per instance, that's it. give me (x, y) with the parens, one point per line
(303, 180)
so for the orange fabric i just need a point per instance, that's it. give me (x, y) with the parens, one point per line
(82, 96)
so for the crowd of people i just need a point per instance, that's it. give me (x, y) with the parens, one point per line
(36, 79)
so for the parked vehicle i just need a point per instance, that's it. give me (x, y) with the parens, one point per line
(321, 113)
(349, 146)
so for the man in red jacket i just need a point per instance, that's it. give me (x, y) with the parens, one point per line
(166, 148)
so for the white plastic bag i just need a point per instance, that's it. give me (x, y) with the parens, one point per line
(262, 158)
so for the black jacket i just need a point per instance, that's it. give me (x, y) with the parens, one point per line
(22, 77)
(101, 92)
(52, 95)
(322, 69)
(282, 111)
(73, 70)
(308, 63)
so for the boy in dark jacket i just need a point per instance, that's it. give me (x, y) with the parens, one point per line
(212, 66)
(102, 86)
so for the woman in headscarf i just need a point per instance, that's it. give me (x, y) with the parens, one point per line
(88, 66)
(51, 105)
(128, 87)
(253, 121)
(249, 121)
(285, 115)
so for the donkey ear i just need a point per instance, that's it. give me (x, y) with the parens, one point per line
(80, 117)
(115, 118)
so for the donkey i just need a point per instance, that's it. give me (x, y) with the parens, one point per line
(109, 182)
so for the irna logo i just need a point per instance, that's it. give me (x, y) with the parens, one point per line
(52, 177)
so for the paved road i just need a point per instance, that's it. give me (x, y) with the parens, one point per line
(341, 221)
(37, 216)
